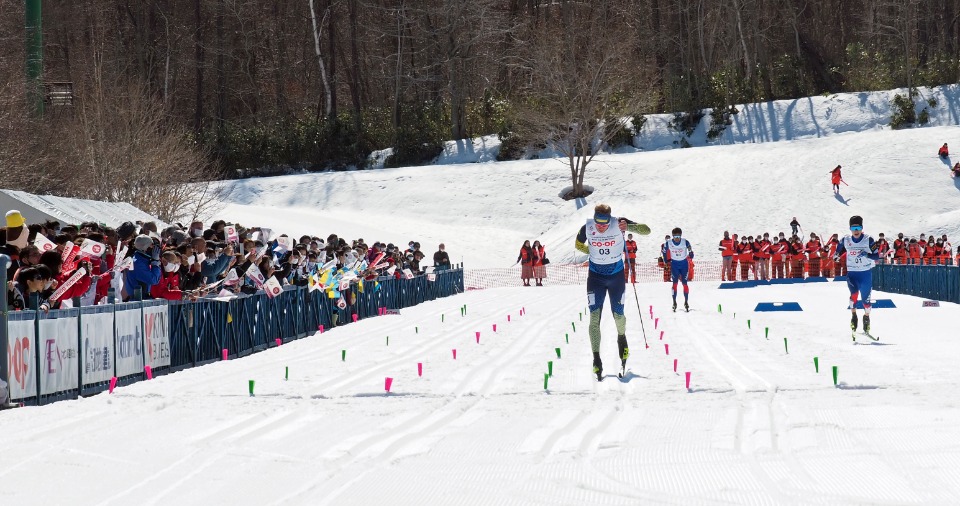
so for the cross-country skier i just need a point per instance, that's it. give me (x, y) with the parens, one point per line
(678, 251)
(861, 253)
(606, 248)
(835, 178)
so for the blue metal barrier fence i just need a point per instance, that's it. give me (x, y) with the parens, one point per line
(64, 354)
(940, 282)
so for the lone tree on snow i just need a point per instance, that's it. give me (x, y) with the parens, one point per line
(580, 91)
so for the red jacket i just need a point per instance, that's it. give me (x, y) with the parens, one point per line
(538, 255)
(778, 250)
(78, 289)
(168, 287)
(632, 250)
(813, 248)
(727, 247)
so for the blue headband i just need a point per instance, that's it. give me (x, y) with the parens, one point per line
(602, 219)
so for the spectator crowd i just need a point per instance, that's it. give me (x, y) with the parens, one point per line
(68, 264)
(764, 257)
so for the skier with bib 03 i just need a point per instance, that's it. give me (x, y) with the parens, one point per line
(606, 247)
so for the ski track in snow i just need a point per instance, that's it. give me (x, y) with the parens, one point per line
(759, 426)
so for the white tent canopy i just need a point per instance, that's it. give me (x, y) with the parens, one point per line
(69, 211)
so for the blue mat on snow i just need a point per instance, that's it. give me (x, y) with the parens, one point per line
(878, 304)
(778, 306)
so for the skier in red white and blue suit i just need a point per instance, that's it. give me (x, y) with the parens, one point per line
(861, 253)
(679, 252)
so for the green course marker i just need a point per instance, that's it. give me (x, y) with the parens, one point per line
(816, 364)
(748, 324)
(550, 368)
(416, 330)
(574, 325)
(558, 352)
(719, 309)
(251, 387)
(343, 355)
(286, 373)
(464, 310)
(785, 346)
(766, 332)
(567, 337)
(581, 316)
(461, 311)
(388, 340)
(546, 377)
(834, 375)
(441, 317)
(734, 316)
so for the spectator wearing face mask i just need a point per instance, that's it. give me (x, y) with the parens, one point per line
(169, 285)
(146, 270)
(777, 252)
(216, 263)
(30, 280)
(745, 257)
(441, 260)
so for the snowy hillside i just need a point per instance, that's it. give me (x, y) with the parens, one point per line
(483, 212)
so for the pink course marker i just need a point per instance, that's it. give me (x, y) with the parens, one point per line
(454, 354)
(661, 335)
(355, 316)
(387, 383)
(224, 354)
(278, 341)
(674, 365)
(149, 372)
(688, 379)
(508, 317)
(320, 328)
(478, 338)
(666, 348)
(494, 327)
(651, 311)
(113, 383)
(656, 323)
(420, 369)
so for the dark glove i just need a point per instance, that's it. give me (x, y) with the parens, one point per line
(155, 254)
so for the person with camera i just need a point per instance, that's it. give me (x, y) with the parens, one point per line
(146, 267)
(218, 258)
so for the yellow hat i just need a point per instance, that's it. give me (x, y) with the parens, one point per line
(15, 219)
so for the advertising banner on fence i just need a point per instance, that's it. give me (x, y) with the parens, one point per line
(129, 342)
(97, 331)
(157, 329)
(58, 355)
(21, 359)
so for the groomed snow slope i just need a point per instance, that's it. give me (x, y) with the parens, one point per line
(758, 426)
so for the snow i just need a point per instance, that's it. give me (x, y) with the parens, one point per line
(757, 426)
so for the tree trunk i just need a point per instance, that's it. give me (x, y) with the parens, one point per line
(355, 70)
(332, 112)
(221, 79)
(198, 52)
(317, 27)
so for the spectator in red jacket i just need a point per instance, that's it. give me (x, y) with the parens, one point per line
(630, 272)
(777, 252)
(796, 258)
(835, 179)
(727, 251)
(538, 267)
(955, 172)
(526, 262)
(813, 253)
(944, 152)
(763, 257)
(169, 285)
(745, 257)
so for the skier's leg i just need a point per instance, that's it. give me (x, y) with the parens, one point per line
(617, 295)
(596, 293)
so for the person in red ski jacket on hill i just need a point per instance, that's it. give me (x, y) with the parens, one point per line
(727, 252)
(944, 151)
(631, 266)
(835, 179)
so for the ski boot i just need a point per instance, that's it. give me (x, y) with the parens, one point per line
(624, 354)
(674, 306)
(853, 322)
(866, 324)
(686, 306)
(597, 366)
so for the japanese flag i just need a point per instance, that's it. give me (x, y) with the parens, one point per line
(43, 244)
(407, 274)
(91, 248)
(272, 287)
(232, 235)
(255, 275)
(284, 244)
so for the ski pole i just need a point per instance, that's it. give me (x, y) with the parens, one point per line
(636, 298)
(844, 182)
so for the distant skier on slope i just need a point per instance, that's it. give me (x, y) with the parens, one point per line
(606, 248)
(795, 225)
(678, 252)
(861, 253)
(835, 179)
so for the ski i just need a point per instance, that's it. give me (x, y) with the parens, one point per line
(871, 336)
(624, 372)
